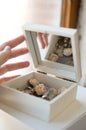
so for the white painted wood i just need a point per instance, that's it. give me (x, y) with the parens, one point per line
(7, 122)
(58, 69)
(72, 118)
(38, 107)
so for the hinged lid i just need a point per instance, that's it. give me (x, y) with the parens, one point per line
(40, 56)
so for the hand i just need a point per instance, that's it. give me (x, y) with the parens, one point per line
(43, 39)
(7, 53)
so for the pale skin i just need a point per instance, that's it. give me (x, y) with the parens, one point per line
(7, 53)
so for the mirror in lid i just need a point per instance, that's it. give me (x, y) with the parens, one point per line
(62, 56)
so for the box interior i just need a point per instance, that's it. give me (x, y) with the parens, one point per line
(20, 83)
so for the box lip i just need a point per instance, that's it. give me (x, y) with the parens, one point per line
(29, 28)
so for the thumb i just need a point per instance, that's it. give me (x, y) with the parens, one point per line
(5, 54)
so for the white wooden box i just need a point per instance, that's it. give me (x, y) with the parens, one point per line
(57, 75)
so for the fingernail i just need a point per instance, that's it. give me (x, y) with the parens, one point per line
(43, 47)
(7, 48)
(27, 63)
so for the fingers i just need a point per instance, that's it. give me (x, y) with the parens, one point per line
(10, 67)
(8, 54)
(18, 52)
(8, 78)
(13, 43)
(39, 36)
(43, 39)
(5, 54)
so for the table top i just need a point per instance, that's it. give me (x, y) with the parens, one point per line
(7, 122)
(75, 111)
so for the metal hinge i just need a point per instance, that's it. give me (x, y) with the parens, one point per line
(66, 79)
(41, 72)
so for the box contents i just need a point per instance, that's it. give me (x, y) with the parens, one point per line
(62, 51)
(42, 90)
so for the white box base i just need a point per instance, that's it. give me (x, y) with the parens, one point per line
(38, 107)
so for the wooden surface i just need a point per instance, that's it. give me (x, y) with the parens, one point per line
(7, 122)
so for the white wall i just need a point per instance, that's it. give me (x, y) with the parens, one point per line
(82, 31)
(15, 13)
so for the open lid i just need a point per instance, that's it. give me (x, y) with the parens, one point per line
(68, 64)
